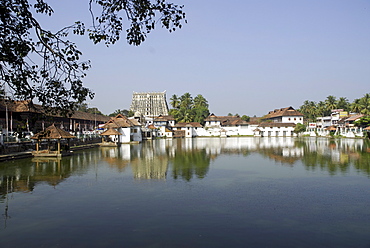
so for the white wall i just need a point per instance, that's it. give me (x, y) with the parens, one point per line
(292, 119)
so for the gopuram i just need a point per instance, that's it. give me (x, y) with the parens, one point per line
(149, 104)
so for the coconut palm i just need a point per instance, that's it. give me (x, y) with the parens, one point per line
(356, 106)
(200, 101)
(322, 109)
(365, 104)
(331, 102)
(175, 101)
(343, 103)
(186, 101)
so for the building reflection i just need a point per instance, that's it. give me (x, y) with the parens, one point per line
(185, 159)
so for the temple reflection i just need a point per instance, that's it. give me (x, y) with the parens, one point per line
(185, 159)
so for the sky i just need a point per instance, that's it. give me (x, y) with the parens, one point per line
(245, 57)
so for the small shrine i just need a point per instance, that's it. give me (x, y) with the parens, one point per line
(110, 137)
(57, 142)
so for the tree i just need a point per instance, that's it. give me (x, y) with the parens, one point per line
(38, 64)
(175, 101)
(187, 109)
(245, 118)
(124, 112)
(363, 122)
(200, 101)
(343, 103)
(365, 104)
(299, 128)
(83, 107)
(356, 106)
(331, 103)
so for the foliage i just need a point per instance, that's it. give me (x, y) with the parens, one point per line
(83, 107)
(299, 128)
(363, 121)
(124, 112)
(187, 109)
(38, 64)
(362, 105)
(245, 118)
(311, 110)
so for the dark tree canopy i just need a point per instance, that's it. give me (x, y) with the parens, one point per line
(37, 64)
(187, 109)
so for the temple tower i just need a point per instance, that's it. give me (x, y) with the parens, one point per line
(149, 104)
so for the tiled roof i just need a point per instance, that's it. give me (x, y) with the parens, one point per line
(53, 132)
(120, 121)
(110, 131)
(188, 124)
(276, 124)
(164, 118)
(226, 120)
(289, 111)
(28, 106)
(354, 117)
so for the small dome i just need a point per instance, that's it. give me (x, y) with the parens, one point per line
(137, 114)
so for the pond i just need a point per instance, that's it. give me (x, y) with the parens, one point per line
(203, 192)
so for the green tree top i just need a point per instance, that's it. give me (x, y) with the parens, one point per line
(55, 79)
(187, 109)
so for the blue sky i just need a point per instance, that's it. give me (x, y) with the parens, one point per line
(244, 56)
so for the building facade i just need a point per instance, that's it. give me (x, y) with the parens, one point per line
(149, 104)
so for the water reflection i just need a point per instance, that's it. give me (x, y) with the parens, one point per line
(186, 159)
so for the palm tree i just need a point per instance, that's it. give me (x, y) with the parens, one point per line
(331, 103)
(343, 103)
(200, 101)
(175, 101)
(309, 110)
(356, 106)
(186, 101)
(321, 109)
(365, 104)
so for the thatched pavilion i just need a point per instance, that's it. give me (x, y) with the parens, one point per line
(52, 133)
(110, 137)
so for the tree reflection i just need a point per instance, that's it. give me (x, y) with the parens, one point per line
(186, 164)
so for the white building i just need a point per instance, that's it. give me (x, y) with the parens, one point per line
(129, 129)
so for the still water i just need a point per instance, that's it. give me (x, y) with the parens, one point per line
(204, 192)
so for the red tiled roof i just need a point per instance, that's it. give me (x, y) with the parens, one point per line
(276, 124)
(53, 132)
(110, 131)
(120, 121)
(164, 118)
(289, 111)
(28, 106)
(354, 117)
(188, 124)
(227, 120)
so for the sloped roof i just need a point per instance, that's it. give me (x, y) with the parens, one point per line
(226, 120)
(164, 118)
(29, 107)
(120, 121)
(354, 117)
(289, 111)
(53, 132)
(331, 128)
(110, 131)
(368, 128)
(276, 124)
(188, 124)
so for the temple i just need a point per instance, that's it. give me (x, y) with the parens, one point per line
(149, 104)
